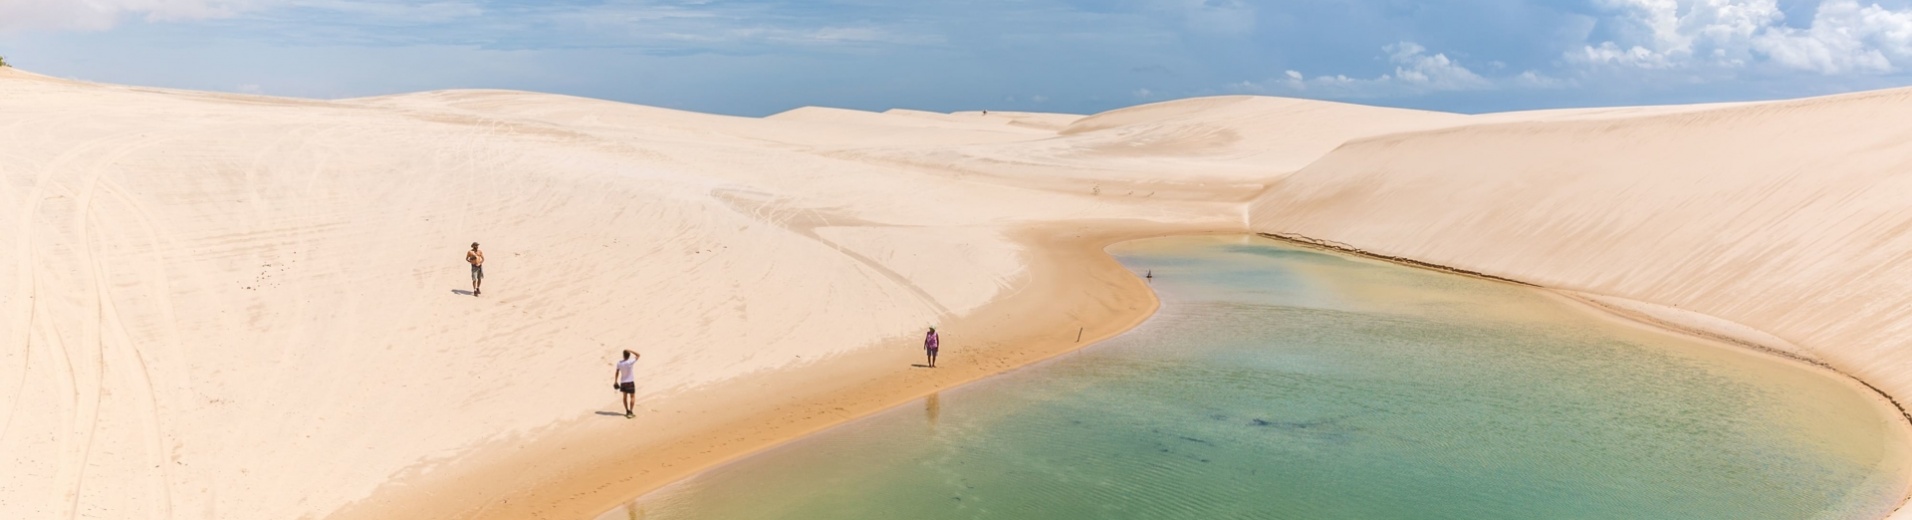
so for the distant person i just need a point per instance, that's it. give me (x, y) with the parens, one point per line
(626, 377)
(930, 344)
(477, 260)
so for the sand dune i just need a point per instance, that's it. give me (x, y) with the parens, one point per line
(243, 307)
(227, 306)
(1200, 149)
(1790, 218)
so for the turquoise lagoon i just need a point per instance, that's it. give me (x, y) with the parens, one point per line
(1285, 383)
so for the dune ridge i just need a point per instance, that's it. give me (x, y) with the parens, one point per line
(231, 306)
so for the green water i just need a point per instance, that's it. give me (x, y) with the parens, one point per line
(1279, 383)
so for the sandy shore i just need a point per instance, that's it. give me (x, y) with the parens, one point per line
(223, 299)
(1084, 286)
(231, 306)
(1785, 218)
(1706, 329)
(1074, 295)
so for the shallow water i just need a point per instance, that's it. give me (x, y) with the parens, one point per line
(1283, 383)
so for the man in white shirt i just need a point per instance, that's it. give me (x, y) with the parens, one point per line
(477, 260)
(626, 381)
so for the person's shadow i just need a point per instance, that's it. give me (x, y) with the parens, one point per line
(613, 414)
(462, 292)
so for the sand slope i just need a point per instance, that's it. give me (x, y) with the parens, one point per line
(224, 306)
(1789, 217)
(1193, 149)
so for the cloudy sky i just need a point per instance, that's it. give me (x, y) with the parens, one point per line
(755, 57)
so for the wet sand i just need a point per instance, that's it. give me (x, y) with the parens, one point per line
(253, 307)
(1073, 289)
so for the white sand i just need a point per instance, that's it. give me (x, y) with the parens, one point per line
(1790, 217)
(224, 306)
(1789, 220)
(227, 306)
(1193, 149)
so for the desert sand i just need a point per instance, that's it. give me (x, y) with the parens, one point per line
(229, 306)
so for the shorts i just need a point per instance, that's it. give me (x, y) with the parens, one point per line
(477, 272)
(629, 388)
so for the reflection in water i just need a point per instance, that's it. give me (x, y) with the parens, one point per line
(1289, 384)
(932, 406)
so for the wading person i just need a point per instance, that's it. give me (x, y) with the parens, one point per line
(930, 344)
(477, 260)
(626, 381)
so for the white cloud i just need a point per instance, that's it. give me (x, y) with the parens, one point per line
(791, 36)
(1533, 79)
(1415, 72)
(863, 34)
(1844, 37)
(1609, 53)
(1413, 66)
(104, 14)
(673, 26)
(409, 11)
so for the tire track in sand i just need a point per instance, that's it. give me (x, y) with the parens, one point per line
(160, 494)
(805, 221)
(66, 476)
(105, 328)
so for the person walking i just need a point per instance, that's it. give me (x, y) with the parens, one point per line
(477, 260)
(626, 381)
(930, 343)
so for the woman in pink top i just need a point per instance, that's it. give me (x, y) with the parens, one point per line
(930, 343)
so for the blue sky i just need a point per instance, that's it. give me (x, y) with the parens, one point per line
(755, 57)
